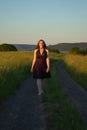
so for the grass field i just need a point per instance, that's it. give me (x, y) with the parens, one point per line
(15, 67)
(76, 65)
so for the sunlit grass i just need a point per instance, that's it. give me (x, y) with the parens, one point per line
(14, 68)
(77, 66)
(14, 59)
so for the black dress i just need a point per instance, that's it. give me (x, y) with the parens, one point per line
(39, 70)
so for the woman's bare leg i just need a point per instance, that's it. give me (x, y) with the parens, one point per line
(40, 86)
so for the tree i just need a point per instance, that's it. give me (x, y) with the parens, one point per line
(74, 50)
(7, 47)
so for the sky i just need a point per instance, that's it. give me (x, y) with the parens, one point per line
(54, 21)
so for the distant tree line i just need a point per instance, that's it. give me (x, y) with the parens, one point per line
(7, 47)
(76, 50)
(53, 50)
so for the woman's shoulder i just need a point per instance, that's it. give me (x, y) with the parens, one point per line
(47, 50)
(35, 50)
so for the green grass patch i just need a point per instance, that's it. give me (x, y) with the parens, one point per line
(61, 115)
(12, 80)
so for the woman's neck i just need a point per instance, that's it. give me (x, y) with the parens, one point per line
(41, 48)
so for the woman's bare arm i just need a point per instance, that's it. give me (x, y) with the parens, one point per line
(47, 61)
(34, 60)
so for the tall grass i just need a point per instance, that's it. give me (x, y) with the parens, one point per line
(14, 67)
(76, 65)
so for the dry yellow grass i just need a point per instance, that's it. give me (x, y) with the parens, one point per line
(77, 67)
(78, 62)
(12, 60)
(14, 68)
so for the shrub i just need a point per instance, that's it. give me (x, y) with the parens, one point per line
(83, 52)
(7, 47)
(53, 50)
(74, 50)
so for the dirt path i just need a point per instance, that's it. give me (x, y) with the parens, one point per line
(23, 111)
(77, 95)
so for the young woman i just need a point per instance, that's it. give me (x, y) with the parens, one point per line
(41, 65)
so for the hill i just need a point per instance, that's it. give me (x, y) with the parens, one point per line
(67, 46)
(24, 47)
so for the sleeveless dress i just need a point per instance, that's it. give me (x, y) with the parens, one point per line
(40, 66)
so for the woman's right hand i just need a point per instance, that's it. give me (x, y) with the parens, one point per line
(47, 70)
(31, 69)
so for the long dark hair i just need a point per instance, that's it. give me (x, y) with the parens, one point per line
(44, 46)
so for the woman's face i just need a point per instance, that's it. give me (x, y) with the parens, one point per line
(41, 44)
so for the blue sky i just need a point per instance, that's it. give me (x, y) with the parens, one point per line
(55, 21)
